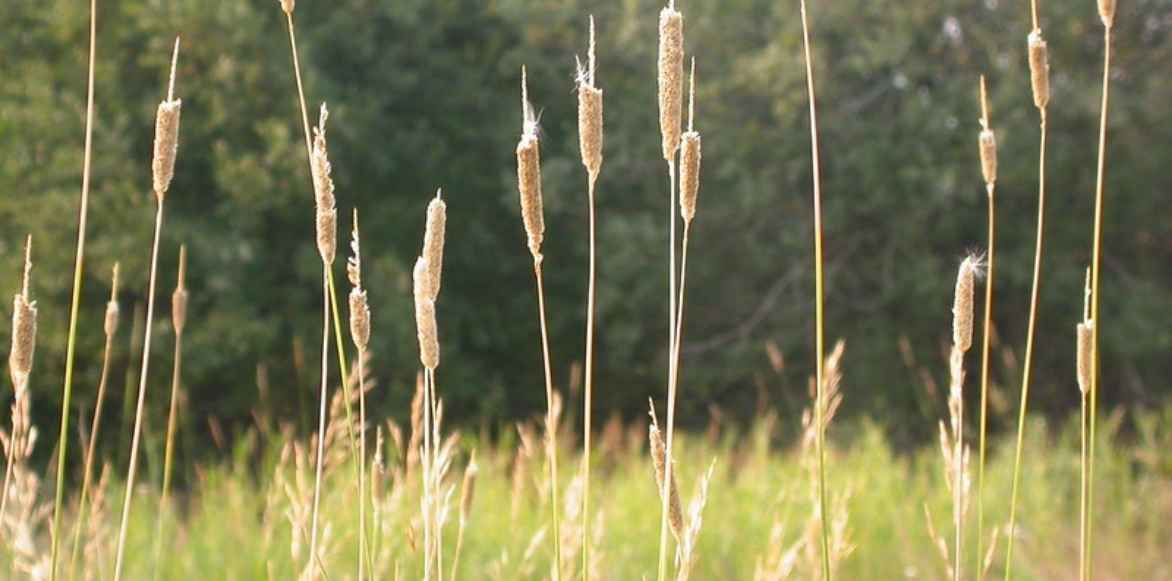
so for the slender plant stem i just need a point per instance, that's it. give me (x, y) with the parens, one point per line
(820, 344)
(551, 432)
(986, 333)
(426, 492)
(75, 302)
(1095, 264)
(436, 478)
(91, 448)
(671, 313)
(321, 422)
(1029, 352)
(132, 470)
(19, 389)
(958, 492)
(169, 453)
(362, 500)
(1082, 509)
(589, 393)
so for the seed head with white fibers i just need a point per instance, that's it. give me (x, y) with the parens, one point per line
(323, 191)
(24, 328)
(690, 159)
(359, 308)
(179, 297)
(112, 310)
(529, 176)
(671, 77)
(987, 141)
(166, 135)
(1107, 12)
(425, 317)
(433, 242)
(675, 513)
(962, 306)
(589, 113)
(1039, 69)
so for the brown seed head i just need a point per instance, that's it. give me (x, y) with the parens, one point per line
(1107, 12)
(671, 76)
(1084, 332)
(166, 135)
(433, 242)
(987, 141)
(179, 297)
(425, 317)
(287, 6)
(689, 174)
(962, 306)
(589, 113)
(359, 318)
(323, 190)
(675, 513)
(112, 311)
(24, 328)
(529, 176)
(1039, 69)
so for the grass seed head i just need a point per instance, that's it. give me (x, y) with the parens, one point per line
(1084, 331)
(1107, 12)
(675, 513)
(359, 308)
(112, 310)
(179, 297)
(529, 175)
(671, 77)
(288, 5)
(1039, 69)
(987, 141)
(425, 317)
(24, 327)
(589, 112)
(323, 190)
(166, 135)
(962, 306)
(690, 157)
(433, 242)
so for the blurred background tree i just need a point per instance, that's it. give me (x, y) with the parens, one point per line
(424, 95)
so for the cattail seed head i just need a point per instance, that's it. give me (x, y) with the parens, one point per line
(1084, 332)
(179, 297)
(675, 513)
(433, 242)
(24, 328)
(1039, 69)
(689, 174)
(988, 145)
(671, 77)
(529, 176)
(425, 317)
(287, 6)
(112, 310)
(589, 113)
(1107, 12)
(962, 306)
(359, 318)
(166, 135)
(323, 191)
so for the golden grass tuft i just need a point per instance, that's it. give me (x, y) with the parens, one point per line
(425, 316)
(24, 327)
(671, 78)
(1039, 58)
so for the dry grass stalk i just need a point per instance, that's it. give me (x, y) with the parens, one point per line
(987, 146)
(178, 321)
(323, 189)
(110, 327)
(819, 327)
(360, 334)
(166, 135)
(590, 144)
(532, 214)
(687, 557)
(1084, 369)
(956, 453)
(425, 316)
(433, 242)
(20, 363)
(132, 469)
(1040, 83)
(675, 512)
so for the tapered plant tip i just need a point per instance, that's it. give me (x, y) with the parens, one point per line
(179, 297)
(174, 64)
(987, 142)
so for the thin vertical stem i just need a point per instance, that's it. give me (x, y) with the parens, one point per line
(321, 417)
(551, 432)
(671, 313)
(1096, 259)
(1082, 509)
(820, 346)
(589, 386)
(1029, 352)
(142, 384)
(75, 301)
(168, 455)
(363, 550)
(426, 492)
(987, 332)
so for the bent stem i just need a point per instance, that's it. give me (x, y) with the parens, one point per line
(75, 301)
(142, 384)
(551, 432)
(1029, 351)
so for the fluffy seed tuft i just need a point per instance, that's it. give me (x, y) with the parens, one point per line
(323, 190)
(1039, 69)
(166, 135)
(529, 176)
(962, 306)
(671, 76)
(589, 113)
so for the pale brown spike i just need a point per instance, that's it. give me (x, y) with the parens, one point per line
(112, 311)
(433, 242)
(179, 297)
(24, 328)
(288, 6)
(425, 317)
(987, 141)
(589, 113)
(166, 135)
(529, 176)
(962, 308)
(670, 77)
(1107, 12)
(1039, 69)
(675, 513)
